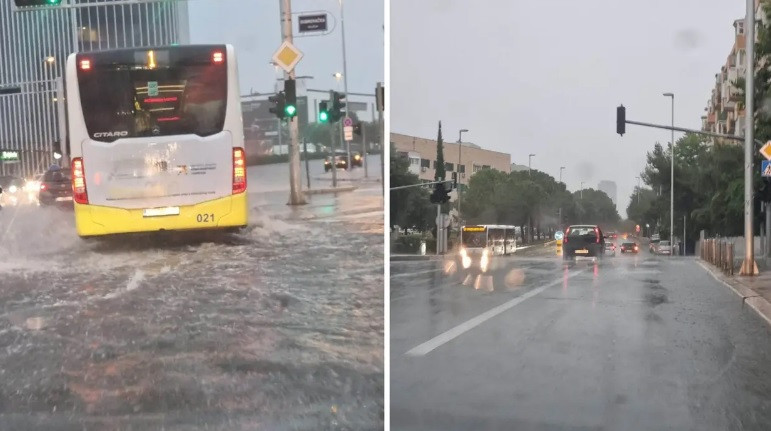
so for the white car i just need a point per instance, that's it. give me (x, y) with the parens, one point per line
(664, 247)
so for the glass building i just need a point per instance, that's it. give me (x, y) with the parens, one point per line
(34, 45)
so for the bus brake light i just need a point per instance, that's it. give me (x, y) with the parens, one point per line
(79, 192)
(217, 57)
(85, 64)
(239, 171)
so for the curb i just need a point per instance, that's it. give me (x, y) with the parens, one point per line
(329, 190)
(413, 258)
(758, 303)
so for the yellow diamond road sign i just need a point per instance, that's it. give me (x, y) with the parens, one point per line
(766, 150)
(287, 56)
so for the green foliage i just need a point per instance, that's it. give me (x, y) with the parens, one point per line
(439, 172)
(410, 208)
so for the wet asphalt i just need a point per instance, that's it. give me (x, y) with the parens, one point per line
(279, 327)
(634, 342)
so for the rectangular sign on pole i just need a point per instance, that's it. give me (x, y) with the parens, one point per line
(765, 169)
(348, 132)
(309, 23)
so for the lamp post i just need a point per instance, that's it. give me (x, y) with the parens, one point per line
(562, 168)
(529, 162)
(672, 179)
(638, 190)
(457, 169)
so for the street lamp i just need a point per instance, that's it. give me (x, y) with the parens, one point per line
(529, 162)
(638, 190)
(562, 168)
(582, 189)
(672, 179)
(457, 169)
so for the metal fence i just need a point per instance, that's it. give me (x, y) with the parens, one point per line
(719, 252)
(33, 48)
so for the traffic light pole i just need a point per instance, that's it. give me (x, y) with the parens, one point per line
(345, 79)
(295, 182)
(749, 267)
(333, 141)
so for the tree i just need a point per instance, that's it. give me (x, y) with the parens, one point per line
(595, 207)
(439, 172)
(409, 208)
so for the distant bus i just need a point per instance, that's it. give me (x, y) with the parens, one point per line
(156, 141)
(480, 243)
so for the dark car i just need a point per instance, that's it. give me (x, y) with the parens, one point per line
(357, 160)
(583, 240)
(341, 161)
(13, 191)
(630, 247)
(56, 187)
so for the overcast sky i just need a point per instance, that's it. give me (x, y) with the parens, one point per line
(253, 27)
(545, 77)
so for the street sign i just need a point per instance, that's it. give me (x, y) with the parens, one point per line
(559, 235)
(310, 23)
(8, 156)
(348, 121)
(348, 132)
(287, 56)
(765, 151)
(765, 169)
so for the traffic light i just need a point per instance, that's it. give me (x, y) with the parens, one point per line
(290, 98)
(621, 120)
(28, 3)
(338, 103)
(440, 195)
(323, 112)
(279, 103)
(357, 129)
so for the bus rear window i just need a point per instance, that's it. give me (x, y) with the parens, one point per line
(474, 239)
(132, 100)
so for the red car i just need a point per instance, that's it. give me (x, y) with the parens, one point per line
(630, 247)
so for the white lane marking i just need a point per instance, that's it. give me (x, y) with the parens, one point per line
(409, 274)
(466, 326)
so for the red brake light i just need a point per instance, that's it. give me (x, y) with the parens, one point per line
(79, 192)
(565, 237)
(217, 57)
(85, 64)
(239, 170)
(42, 187)
(597, 232)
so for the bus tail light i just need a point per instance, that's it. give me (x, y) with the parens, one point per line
(217, 57)
(79, 193)
(239, 170)
(85, 64)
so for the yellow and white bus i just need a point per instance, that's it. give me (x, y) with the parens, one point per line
(479, 243)
(155, 139)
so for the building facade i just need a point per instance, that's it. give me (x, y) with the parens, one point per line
(724, 113)
(34, 45)
(465, 159)
(610, 189)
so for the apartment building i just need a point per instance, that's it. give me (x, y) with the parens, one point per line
(466, 159)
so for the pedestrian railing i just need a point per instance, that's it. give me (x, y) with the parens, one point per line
(719, 252)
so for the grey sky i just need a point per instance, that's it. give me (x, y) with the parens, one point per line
(253, 27)
(545, 77)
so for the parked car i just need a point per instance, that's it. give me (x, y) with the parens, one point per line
(56, 187)
(583, 240)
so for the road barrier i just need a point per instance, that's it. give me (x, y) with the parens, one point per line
(719, 252)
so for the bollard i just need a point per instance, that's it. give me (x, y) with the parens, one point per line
(422, 248)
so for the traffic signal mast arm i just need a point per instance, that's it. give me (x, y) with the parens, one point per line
(423, 184)
(621, 119)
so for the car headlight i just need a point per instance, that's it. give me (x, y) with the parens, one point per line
(484, 261)
(12, 189)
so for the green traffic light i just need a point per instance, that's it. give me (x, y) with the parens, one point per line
(54, 1)
(290, 110)
(323, 117)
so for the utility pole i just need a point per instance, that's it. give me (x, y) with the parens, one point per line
(749, 267)
(333, 141)
(457, 168)
(672, 178)
(638, 190)
(345, 78)
(529, 162)
(295, 182)
(364, 147)
(562, 168)
(380, 97)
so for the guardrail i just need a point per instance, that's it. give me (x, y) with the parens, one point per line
(719, 252)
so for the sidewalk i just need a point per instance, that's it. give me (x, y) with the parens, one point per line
(754, 291)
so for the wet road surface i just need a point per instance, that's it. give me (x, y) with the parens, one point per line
(278, 327)
(634, 342)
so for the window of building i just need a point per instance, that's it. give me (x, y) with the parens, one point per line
(462, 169)
(485, 166)
(449, 167)
(740, 27)
(402, 154)
(476, 168)
(425, 163)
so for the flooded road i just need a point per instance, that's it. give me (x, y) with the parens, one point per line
(277, 327)
(633, 342)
